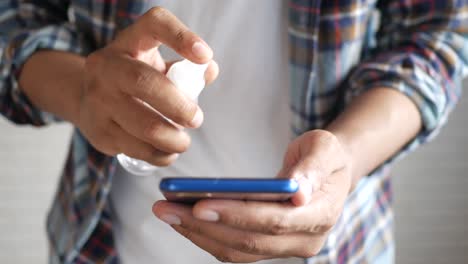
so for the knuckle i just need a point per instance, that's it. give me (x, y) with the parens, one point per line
(145, 152)
(330, 142)
(180, 35)
(160, 133)
(319, 229)
(279, 225)
(112, 151)
(186, 233)
(309, 251)
(327, 223)
(325, 138)
(163, 160)
(163, 163)
(324, 135)
(330, 218)
(194, 228)
(185, 110)
(224, 256)
(100, 141)
(249, 244)
(235, 220)
(142, 79)
(153, 129)
(156, 13)
(92, 82)
(104, 140)
(184, 143)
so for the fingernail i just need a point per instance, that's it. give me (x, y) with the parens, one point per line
(170, 219)
(197, 119)
(201, 51)
(208, 215)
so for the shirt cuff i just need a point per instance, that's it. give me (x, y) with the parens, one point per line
(19, 49)
(432, 99)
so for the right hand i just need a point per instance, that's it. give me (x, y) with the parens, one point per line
(125, 92)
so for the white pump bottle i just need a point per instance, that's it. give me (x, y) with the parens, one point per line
(186, 76)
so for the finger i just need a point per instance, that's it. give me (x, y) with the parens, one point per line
(138, 149)
(306, 186)
(310, 163)
(311, 177)
(220, 252)
(211, 72)
(291, 169)
(155, 60)
(307, 178)
(267, 217)
(157, 26)
(244, 241)
(143, 122)
(145, 83)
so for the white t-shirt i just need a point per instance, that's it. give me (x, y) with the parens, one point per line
(246, 127)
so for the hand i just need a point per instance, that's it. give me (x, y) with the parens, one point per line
(248, 231)
(125, 92)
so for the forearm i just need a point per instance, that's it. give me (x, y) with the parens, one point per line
(375, 126)
(52, 81)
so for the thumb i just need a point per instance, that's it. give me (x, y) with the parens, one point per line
(308, 179)
(159, 26)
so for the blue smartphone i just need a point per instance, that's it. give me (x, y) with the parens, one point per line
(190, 190)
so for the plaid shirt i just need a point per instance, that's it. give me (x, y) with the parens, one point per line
(338, 49)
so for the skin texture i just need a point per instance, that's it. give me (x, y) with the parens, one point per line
(104, 93)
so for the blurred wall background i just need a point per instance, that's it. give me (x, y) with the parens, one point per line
(431, 193)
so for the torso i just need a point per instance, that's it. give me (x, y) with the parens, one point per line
(246, 128)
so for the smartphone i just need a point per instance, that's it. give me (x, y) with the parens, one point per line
(190, 190)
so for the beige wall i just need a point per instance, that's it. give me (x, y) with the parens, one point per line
(431, 197)
(30, 161)
(431, 193)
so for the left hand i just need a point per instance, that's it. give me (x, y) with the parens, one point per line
(249, 231)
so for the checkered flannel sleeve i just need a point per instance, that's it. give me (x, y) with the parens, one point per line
(26, 27)
(422, 51)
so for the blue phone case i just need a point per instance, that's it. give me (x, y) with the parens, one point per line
(228, 185)
(192, 189)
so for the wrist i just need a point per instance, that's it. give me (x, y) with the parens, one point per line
(52, 81)
(374, 127)
(348, 153)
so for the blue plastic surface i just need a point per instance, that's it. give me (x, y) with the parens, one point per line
(215, 185)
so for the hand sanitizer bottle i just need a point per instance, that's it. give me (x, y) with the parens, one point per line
(186, 76)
